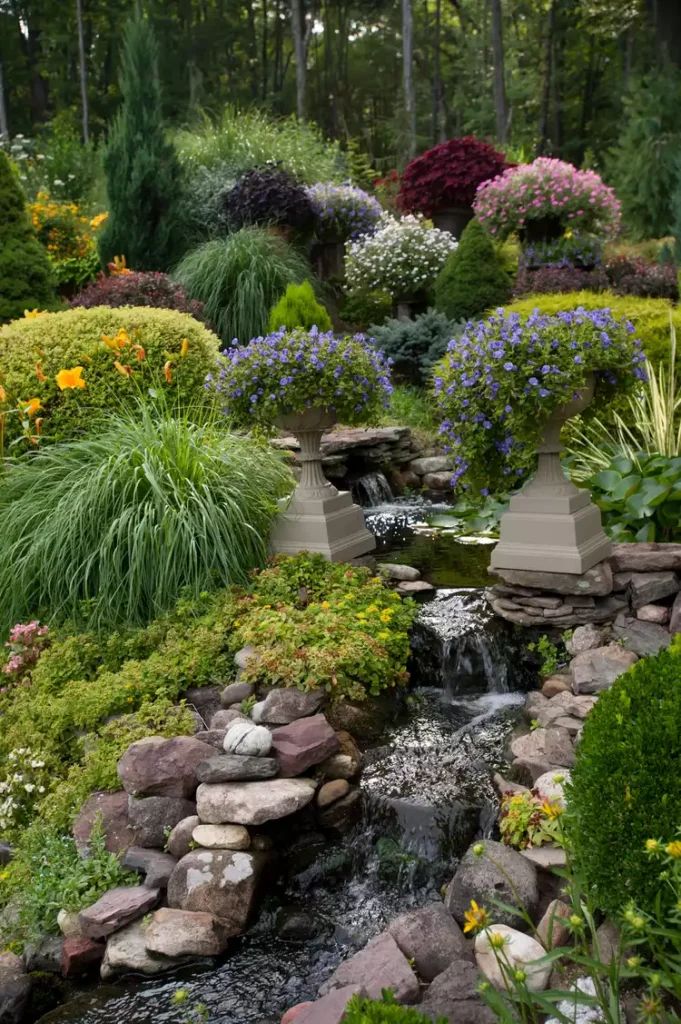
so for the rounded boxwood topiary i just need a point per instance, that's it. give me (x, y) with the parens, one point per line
(26, 280)
(34, 351)
(626, 784)
(472, 280)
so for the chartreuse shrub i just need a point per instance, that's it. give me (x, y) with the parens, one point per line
(625, 787)
(119, 352)
(650, 317)
(384, 1011)
(26, 280)
(113, 527)
(298, 307)
(472, 280)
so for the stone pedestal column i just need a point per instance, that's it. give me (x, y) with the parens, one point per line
(318, 517)
(551, 525)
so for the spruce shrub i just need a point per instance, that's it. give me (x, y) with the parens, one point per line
(298, 307)
(626, 785)
(416, 345)
(26, 280)
(74, 338)
(142, 170)
(472, 280)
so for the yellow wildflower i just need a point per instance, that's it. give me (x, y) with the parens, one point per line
(476, 918)
(185, 347)
(68, 379)
(34, 314)
(383, 636)
(118, 343)
(496, 940)
(395, 596)
(372, 608)
(552, 811)
(325, 604)
(361, 615)
(674, 849)
(653, 845)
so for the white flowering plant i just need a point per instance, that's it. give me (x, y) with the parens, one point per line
(402, 257)
(23, 787)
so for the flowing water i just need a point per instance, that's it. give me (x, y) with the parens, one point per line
(372, 489)
(426, 794)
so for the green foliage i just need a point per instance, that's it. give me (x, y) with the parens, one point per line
(82, 521)
(364, 307)
(298, 307)
(411, 407)
(640, 497)
(142, 170)
(650, 317)
(26, 280)
(48, 874)
(317, 625)
(645, 161)
(548, 652)
(472, 515)
(676, 214)
(74, 338)
(625, 787)
(527, 820)
(416, 345)
(472, 280)
(384, 1011)
(239, 278)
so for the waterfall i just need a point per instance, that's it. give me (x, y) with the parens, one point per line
(372, 489)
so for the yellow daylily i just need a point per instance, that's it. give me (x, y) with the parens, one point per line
(97, 221)
(185, 347)
(118, 343)
(33, 314)
(68, 379)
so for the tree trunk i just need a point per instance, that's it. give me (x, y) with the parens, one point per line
(408, 77)
(666, 19)
(264, 50)
(546, 84)
(83, 74)
(500, 104)
(4, 125)
(437, 82)
(298, 25)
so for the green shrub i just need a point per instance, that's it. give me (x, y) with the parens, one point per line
(26, 280)
(384, 1011)
(74, 338)
(412, 407)
(626, 786)
(239, 278)
(650, 317)
(416, 345)
(472, 280)
(299, 308)
(362, 308)
(115, 526)
(142, 169)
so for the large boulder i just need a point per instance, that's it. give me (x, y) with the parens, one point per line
(155, 766)
(454, 995)
(111, 809)
(643, 638)
(79, 954)
(597, 669)
(15, 988)
(126, 951)
(499, 873)
(283, 706)
(330, 1009)
(596, 582)
(116, 908)
(218, 882)
(381, 964)
(431, 939)
(558, 745)
(645, 587)
(584, 638)
(181, 838)
(185, 933)
(247, 739)
(235, 693)
(519, 950)
(222, 837)
(646, 557)
(252, 803)
(236, 768)
(156, 867)
(153, 817)
(302, 744)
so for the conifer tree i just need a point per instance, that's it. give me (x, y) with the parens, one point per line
(142, 169)
(26, 280)
(472, 280)
(299, 308)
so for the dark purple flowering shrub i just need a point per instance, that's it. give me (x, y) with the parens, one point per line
(293, 371)
(343, 211)
(500, 380)
(138, 289)
(547, 280)
(268, 196)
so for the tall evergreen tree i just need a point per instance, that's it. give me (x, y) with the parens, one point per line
(142, 170)
(26, 280)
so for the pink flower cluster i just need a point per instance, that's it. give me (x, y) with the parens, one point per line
(547, 188)
(26, 641)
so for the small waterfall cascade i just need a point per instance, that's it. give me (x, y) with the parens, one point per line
(372, 489)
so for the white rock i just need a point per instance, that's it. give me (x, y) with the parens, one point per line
(247, 739)
(257, 711)
(252, 803)
(519, 950)
(550, 786)
(126, 951)
(69, 923)
(222, 837)
(579, 1012)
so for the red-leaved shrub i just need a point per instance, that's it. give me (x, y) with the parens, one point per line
(448, 175)
(635, 276)
(138, 289)
(547, 280)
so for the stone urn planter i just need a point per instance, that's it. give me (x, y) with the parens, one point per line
(552, 525)
(540, 229)
(453, 219)
(406, 307)
(318, 517)
(328, 259)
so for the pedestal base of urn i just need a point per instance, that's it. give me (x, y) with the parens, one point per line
(547, 541)
(333, 527)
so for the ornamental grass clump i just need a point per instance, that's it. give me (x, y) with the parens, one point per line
(503, 377)
(289, 372)
(547, 188)
(343, 211)
(403, 257)
(448, 175)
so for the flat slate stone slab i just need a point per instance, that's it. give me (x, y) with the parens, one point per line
(597, 581)
(236, 768)
(252, 803)
(116, 908)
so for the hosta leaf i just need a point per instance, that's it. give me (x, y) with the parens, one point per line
(646, 533)
(607, 479)
(628, 485)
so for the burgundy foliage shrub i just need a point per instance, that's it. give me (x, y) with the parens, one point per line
(448, 175)
(635, 276)
(138, 289)
(547, 280)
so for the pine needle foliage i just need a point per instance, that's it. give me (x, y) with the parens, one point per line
(298, 307)
(472, 280)
(141, 167)
(111, 529)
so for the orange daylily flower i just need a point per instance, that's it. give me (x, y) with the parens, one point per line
(98, 220)
(31, 407)
(185, 347)
(118, 343)
(125, 371)
(39, 425)
(168, 372)
(73, 378)
(118, 266)
(141, 352)
(39, 373)
(3, 394)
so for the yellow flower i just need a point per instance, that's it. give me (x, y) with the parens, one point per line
(237, 622)
(552, 811)
(31, 407)
(361, 615)
(97, 221)
(125, 371)
(395, 596)
(118, 343)
(33, 314)
(118, 266)
(372, 608)
(496, 940)
(325, 604)
(68, 379)
(383, 636)
(653, 845)
(674, 849)
(185, 347)
(476, 918)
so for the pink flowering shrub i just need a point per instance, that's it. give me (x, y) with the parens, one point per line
(547, 188)
(25, 643)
